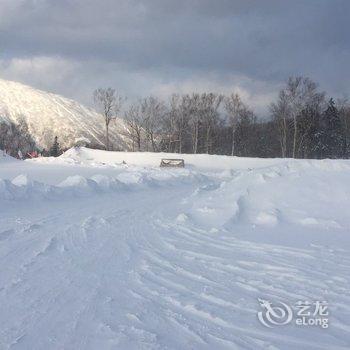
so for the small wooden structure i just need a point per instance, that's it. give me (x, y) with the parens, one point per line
(172, 163)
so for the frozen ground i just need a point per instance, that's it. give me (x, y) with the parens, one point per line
(96, 254)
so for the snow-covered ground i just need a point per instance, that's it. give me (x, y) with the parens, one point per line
(97, 254)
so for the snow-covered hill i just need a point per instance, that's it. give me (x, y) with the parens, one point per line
(48, 115)
(97, 253)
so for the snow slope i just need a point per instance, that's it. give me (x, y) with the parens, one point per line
(48, 115)
(106, 255)
(4, 158)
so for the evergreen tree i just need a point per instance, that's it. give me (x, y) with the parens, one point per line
(332, 133)
(309, 130)
(55, 150)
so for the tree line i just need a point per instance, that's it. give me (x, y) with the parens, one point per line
(303, 123)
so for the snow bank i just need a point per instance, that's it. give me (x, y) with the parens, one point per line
(23, 187)
(6, 158)
(202, 162)
(227, 190)
(92, 157)
(302, 193)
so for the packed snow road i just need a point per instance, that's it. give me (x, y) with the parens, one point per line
(141, 258)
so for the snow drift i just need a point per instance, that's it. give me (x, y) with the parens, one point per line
(6, 158)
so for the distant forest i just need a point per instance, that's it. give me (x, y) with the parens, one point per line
(15, 137)
(302, 123)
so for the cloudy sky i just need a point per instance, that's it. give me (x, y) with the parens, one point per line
(158, 47)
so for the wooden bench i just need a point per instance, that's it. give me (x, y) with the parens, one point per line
(172, 163)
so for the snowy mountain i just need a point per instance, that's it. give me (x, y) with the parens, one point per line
(48, 115)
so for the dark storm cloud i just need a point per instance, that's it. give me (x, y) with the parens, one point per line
(265, 40)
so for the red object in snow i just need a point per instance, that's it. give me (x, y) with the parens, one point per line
(33, 154)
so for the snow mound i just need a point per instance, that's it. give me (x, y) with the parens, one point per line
(227, 165)
(91, 157)
(301, 193)
(6, 158)
(23, 187)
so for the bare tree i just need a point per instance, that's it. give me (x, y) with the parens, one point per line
(182, 120)
(152, 110)
(294, 96)
(176, 122)
(134, 122)
(210, 104)
(109, 104)
(169, 125)
(234, 107)
(301, 93)
(193, 107)
(280, 113)
(298, 99)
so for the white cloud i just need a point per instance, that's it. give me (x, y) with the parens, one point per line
(256, 94)
(77, 80)
(42, 72)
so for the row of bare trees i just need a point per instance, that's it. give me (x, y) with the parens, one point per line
(302, 123)
(189, 123)
(310, 125)
(300, 94)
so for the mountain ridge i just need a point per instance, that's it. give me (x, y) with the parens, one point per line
(48, 115)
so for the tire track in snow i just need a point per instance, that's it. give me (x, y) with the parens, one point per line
(121, 274)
